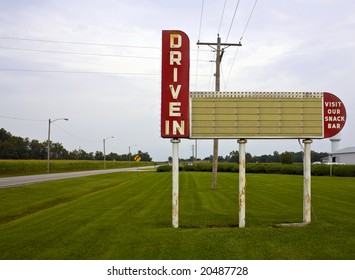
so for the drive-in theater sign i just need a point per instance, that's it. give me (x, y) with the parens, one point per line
(239, 115)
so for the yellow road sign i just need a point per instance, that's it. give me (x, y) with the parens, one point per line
(137, 158)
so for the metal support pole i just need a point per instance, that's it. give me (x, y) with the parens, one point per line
(49, 140)
(242, 181)
(49, 145)
(104, 140)
(175, 183)
(307, 181)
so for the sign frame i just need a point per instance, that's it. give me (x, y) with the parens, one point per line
(265, 115)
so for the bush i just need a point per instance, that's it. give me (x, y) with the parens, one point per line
(344, 170)
(228, 167)
(273, 168)
(320, 170)
(256, 168)
(164, 168)
(293, 169)
(268, 168)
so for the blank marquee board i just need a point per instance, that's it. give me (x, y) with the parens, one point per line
(264, 115)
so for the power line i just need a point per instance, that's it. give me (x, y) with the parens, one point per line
(230, 27)
(79, 72)
(77, 43)
(75, 136)
(251, 13)
(78, 53)
(85, 72)
(220, 23)
(199, 30)
(198, 48)
(22, 119)
(241, 38)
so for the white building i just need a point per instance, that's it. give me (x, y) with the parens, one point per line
(340, 156)
(346, 156)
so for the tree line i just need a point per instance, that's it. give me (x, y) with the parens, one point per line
(15, 147)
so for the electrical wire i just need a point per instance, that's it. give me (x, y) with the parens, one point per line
(241, 38)
(245, 28)
(220, 22)
(86, 72)
(78, 72)
(201, 16)
(22, 119)
(78, 53)
(73, 135)
(230, 27)
(230, 70)
(198, 47)
(77, 43)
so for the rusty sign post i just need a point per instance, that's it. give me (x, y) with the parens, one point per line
(175, 101)
(242, 180)
(307, 181)
(175, 183)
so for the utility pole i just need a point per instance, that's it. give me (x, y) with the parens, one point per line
(219, 48)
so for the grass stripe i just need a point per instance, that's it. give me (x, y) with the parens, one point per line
(128, 216)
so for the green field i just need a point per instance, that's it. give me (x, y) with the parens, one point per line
(128, 216)
(10, 168)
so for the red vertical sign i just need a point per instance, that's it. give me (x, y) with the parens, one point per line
(334, 114)
(175, 84)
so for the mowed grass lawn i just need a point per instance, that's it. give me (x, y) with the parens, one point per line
(128, 216)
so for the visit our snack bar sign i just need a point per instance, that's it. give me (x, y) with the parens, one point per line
(268, 115)
(175, 84)
(334, 115)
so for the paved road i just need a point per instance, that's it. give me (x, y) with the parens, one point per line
(22, 180)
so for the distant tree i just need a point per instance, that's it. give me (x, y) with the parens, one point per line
(318, 156)
(234, 156)
(144, 156)
(99, 155)
(248, 157)
(4, 135)
(58, 151)
(287, 157)
(210, 158)
(276, 157)
(113, 156)
(37, 150)
(80, 155)
(221, 159)
(265, 158)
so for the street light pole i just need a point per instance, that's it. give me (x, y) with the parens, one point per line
(49, 140)
(105, 151)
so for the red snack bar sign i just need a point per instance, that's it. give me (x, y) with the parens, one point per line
(334, 114)
(175, 84)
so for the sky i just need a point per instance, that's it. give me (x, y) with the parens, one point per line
(98, 63)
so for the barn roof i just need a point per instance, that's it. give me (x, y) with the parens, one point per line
(349, 150)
